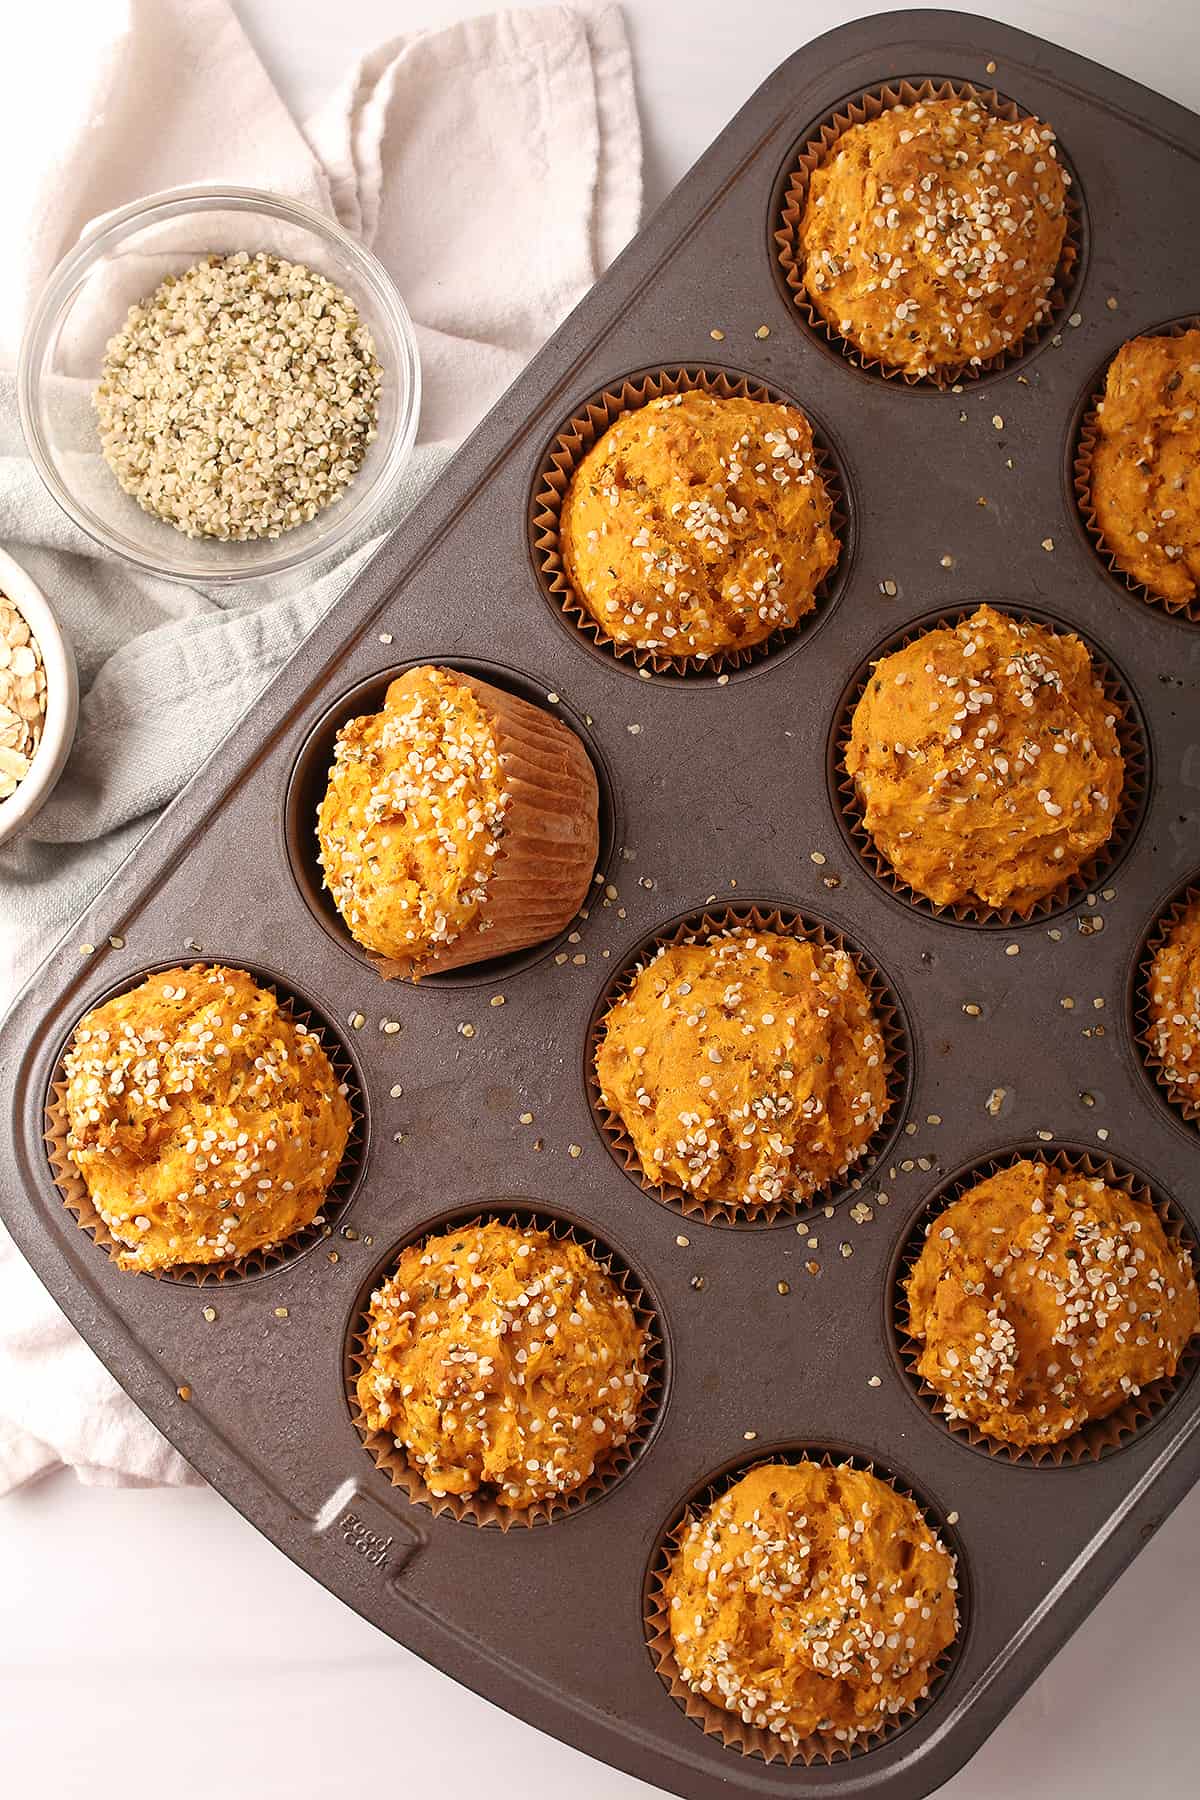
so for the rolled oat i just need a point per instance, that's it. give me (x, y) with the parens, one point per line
(22, 698)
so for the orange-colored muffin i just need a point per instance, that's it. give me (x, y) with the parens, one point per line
(460, 823)
(808, 1599)
(986, 760)
(749, 1070)
(697, 526)
(1145, 470)
(205, 1122)
(931, 235)
(1044, 1299)
(504, 1362)
(1173, 1005)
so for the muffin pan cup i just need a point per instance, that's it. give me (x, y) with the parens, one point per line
(1100, 1436)
(1085, 450)
(698, 928)
(480, 1508)
(474, 1083)
(1182, 1103)
(78, 1201)
(717, 1721)
(1131, 735)
(586, 426)
(813, 153)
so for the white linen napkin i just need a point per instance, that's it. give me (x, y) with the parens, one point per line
(495, 168)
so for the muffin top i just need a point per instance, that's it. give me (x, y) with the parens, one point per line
(750, 1070)
(986, 760)
(931, 235)
(205, 1121)
(504, 1362)
(811, 1599)
(1145, 476)
(1043, 1299)
(1173, 1005)
(413, 817)
(698, 525)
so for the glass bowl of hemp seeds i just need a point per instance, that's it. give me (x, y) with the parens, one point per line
(220, 384)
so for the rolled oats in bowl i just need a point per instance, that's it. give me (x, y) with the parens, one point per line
(22, 698)
(238, 400)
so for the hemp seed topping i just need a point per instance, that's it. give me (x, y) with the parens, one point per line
(238, 400)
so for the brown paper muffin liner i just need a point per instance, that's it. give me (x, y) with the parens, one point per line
(1186, 1105)
(791, 201)
(572, 443)
(267, 1260)
(696, 927)
(716, 1721)
(479, 1509)
(1099, 1437)
(1085, 450)
(551, 838)
(1131, 737)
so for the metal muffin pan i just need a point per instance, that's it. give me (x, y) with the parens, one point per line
(719, 797)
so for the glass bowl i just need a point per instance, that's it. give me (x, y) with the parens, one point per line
(123, 259)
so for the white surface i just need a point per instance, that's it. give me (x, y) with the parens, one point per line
(152, 1642)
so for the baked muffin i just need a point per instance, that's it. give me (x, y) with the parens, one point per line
(808, 1599)
(204, 1121)
(749, 1070)
(931, 235)
(986, 761)
(1173, 1007)
(1145, 466)
(697, 526)
(459, 824)
(1044, 1298)
(503, 1362)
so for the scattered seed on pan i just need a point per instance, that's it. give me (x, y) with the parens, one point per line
(611, 893)
(580, 959)
(1067, 1003)
(763, 331)
(861, 1213)
(1055, 934)
(334, 1257)
(947, 561)
(972, 1008)
(1088, 1099)
(716, 333)
(1012, 949)
(828, 1212)
(389, 1027)
(497, 1000)
(467, 1030)
(357, 1021)
(1076, 319)
(553, 699)
(210, 1313)
(814, 1268)
(782, 1287)
(995, 1100)
(192, 944)
(574, 1149)
(527, 1118)
(634, 730)
(991, 69)
(682, 1241)
(87, 949)
(1098, 1003)
(910, 1130)
(846, 1249)
(349, 1233)
(281, 1312)
(998, 421)
(1047, 543)
(561, 958)
(539, 1143)
(749, 1436)
(118, 943)
(817, 857)
(184, 1392)
(933, 1118)
(385, 637)
(697, 1282)
(873, 1381)
(889, 588)
(1102, 1134)
(1046, 1137)
(396, 1091)
(831, 881)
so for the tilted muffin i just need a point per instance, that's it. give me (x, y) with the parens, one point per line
(1173, 1007)
(809, 1599)
(749, 1070)
(697, 526)
(503, 1362)
(931, 235)
(204, 1121)
(1145, 466)
(459, 823)
(1044, 1298)
(986, 760)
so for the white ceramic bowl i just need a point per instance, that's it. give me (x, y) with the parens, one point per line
(62, 699)
(120, 261)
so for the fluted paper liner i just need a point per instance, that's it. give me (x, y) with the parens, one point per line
(478, 1508)
(1164, 925)
(1128, 817)
(543, 872)
(698, 927)
(266, 1260)
(716, 1721)
(572, 443)
(1085, 450)
(790, 210)
(1099, 1437)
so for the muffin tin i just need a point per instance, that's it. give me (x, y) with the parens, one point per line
(717, 795)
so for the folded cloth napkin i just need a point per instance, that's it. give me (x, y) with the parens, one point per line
(495, 168)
